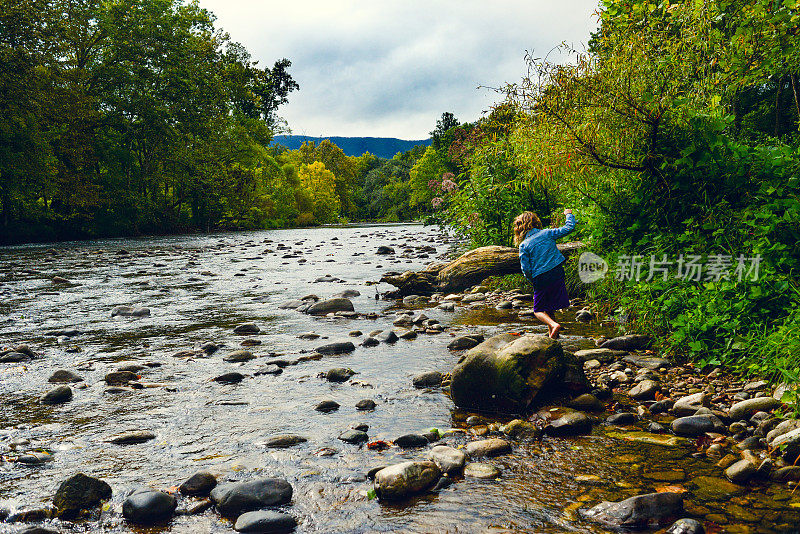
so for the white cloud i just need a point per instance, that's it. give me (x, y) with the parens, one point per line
(390, 68)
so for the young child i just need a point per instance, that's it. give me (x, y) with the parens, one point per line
(543, 265)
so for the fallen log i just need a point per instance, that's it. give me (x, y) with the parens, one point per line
(468, 270)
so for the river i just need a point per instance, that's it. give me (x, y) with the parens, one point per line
(198, 289)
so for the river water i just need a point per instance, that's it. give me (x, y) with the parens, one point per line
(198, 289)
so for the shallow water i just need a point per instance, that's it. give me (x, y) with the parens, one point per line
(199, 288)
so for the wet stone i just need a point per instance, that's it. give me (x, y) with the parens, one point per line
(408, 441)
(405, 479)
(448, 459)
(327, 406)
(283, 441)
(265, 521)
(624, 418)
(57, 395)
(571, 424)
(342, 347)
(427, 380)
(200, 483)
(239, 356)
(365, 404)
(237, 498)
(339, 374)
(354, 436)
(587, 401)
(641, 511)
(229, 378)
(686, 526)
(147, 506)
(79, 492)
(481, 470)
(63, 376)
(488, 447)
(246, 329)
(132, 438)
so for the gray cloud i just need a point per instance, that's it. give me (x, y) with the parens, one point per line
(390, 68)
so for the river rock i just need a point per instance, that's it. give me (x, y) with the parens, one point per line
(714, 488)
(505, 373)
(645, 390)
(646, 361)
(447, 459)
(237, 498)
(686, 526)
(341, 347)
(79, 492)
(283, 441)
(628, 343)
(387, 337)
(642, 511)
(324, 307)
(488, 447)
(746, 408)
(269, 369)
(229, 378)
(13, 357)
(481, 470)
(741, 471)
(782, 428)
(789, 443)
(427, 380)
(327, 406)
(132, 438)
(347, 294)
(292, 304)
(365, 405)
(696, 425)
(57, 395)
(602, 355)
(384, 250)
(339, 374)
(200, 483)
(36, 529)
(370, 342)
(146, 506)
(120, 378)
(465, 342)
(689, 404)
(786, 474)
(239, 356)
(246, 329)
(62, 376)
(34, 458)
(570, 424)
(265, 522)
(587, 401)
(353, 436)
(621, 419)
(128, 311)
(409, 441)
(405, 479)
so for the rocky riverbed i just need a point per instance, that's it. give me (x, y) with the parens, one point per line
(256, 381)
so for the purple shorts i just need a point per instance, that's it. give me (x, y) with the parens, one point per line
(551, 295)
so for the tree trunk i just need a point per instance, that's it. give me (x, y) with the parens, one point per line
(469, 269)
(778, 107)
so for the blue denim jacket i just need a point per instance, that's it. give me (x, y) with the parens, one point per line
(538, 253)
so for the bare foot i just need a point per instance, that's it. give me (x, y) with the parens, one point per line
(554, 332)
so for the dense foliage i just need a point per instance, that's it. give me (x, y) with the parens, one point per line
(674, 135)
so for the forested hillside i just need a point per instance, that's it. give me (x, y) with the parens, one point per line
(675, 138)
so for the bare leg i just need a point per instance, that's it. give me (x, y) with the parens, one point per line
(552, 327)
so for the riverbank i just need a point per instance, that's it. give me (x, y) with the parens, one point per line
(227, 374)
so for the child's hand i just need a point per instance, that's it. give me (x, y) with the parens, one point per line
(567, 211)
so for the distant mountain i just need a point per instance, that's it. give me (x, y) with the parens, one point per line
(383, 147)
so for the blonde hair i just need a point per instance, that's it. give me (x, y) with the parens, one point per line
(524, 223)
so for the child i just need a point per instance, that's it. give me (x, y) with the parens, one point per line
(543, 265)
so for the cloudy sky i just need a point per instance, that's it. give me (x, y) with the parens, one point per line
(389, 68)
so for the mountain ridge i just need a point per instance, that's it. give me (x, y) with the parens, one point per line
(383, 147)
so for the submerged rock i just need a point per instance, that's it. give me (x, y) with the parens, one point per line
(62, 376)
(480, 470)
(246, 329)
(642, 511)
(354, 436)
(686, 526)
(79, 492)
(339, 374)
(128, 311)
(132, 438)
(427, 380)
(237, 498)
(405, 479)
(342, 347)
(283, 441)
(570, 424)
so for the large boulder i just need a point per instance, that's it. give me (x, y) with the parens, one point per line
(642, 511)
(324, 307)
(505, 373)
(405, 479)
(237, 498)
